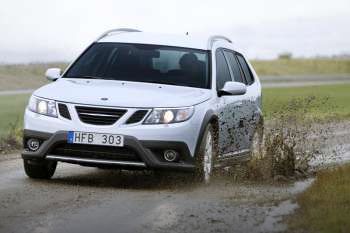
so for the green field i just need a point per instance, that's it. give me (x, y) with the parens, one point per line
(301, 67)
(326, 102)
(331, 101)
(30, 76)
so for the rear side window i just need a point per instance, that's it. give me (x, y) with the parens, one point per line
(236, 70)
(222, 71)
(246, 70)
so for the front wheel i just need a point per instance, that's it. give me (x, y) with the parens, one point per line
(39, 169)
(206, 155)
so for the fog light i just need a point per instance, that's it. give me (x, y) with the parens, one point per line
(33, 144)
(170, 155)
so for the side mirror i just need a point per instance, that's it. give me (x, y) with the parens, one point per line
(53, 74)
(233, 88)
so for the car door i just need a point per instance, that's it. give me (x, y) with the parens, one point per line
(240, 109)
(250, 102)
(229, 109)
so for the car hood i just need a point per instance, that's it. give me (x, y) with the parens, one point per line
(121, 93)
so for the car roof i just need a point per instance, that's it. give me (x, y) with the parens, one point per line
(185, 41)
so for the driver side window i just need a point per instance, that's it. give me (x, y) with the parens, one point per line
(222, 71)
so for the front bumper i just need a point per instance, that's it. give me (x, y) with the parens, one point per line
(186, 132)
(147, 153)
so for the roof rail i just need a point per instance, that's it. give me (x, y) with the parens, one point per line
(212, 39)
(121, 30)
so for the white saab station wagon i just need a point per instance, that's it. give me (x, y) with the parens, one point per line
(135, 100)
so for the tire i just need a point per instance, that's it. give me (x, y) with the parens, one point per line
(39, 169)
(206, 155)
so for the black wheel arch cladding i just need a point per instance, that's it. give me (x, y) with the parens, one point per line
(209, 118)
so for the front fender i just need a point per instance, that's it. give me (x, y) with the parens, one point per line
(209, 117)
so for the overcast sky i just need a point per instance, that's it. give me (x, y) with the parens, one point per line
(56, 30)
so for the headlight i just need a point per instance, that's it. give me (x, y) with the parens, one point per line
(168, 116)
(42, 106)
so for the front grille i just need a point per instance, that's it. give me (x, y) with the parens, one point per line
(96, 152)
(137, 116)
(99, 116)
(64, 112)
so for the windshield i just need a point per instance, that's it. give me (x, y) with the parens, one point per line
(143, 63)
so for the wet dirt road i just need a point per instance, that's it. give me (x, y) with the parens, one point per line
(80, 199)
(89, 200)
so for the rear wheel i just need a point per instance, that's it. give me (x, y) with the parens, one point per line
(206, 155)
(39, 169)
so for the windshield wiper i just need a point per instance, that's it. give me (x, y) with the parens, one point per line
(87, 77)
(113, 78)
(162, 82)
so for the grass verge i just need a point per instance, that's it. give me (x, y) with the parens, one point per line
(11, 141)
(11, 122)
(12, 110)
(325, 206)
